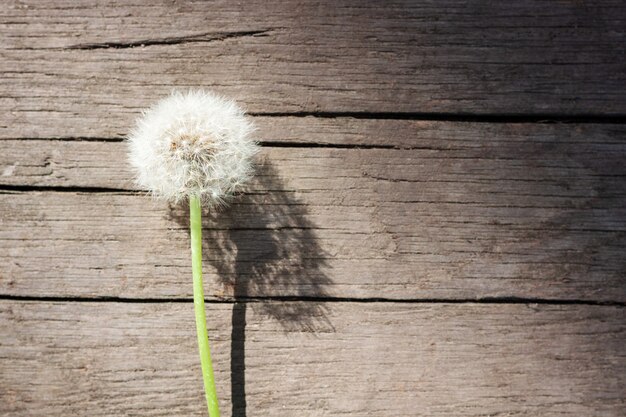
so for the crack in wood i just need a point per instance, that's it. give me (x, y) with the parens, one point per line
(535, 118)
(309, 299)
(174, 40)
(69, 189)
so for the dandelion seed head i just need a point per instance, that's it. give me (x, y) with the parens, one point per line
(193, 143)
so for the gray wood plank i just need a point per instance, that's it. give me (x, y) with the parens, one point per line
(312, 359)
(471, 211)
(78, 68)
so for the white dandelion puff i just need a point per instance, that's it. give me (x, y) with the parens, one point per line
(193, 144)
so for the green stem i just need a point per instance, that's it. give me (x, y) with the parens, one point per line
(195, 223)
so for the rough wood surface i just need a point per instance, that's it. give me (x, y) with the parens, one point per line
(77, 68)
(356, 199)
(314, 359)
(470, 211)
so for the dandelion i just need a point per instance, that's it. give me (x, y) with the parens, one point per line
(194, 146)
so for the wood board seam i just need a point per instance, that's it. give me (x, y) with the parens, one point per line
(291, 299)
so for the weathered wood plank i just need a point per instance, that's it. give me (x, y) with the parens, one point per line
(311, 359)
(437, 150)
(482, 211)
(74, 68)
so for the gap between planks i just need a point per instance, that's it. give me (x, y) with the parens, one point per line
(541, 118)
(289, 299)
(493, 118)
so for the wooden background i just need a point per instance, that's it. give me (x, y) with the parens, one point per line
(437, 228)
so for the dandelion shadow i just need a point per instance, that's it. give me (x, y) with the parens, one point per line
(264, 245)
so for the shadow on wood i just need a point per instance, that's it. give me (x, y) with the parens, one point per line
(279, 254)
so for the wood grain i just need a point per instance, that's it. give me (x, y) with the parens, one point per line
(113, 359)
(86, 68)
(345, 211)
(468, 211)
